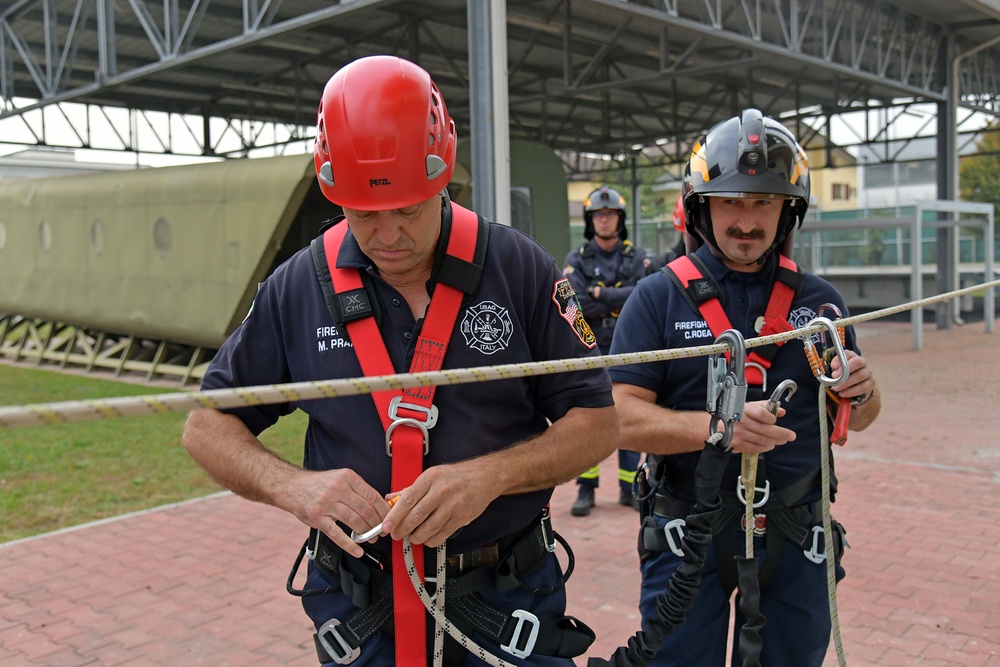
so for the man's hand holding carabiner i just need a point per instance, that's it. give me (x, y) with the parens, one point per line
(758, 431)
(860, 388)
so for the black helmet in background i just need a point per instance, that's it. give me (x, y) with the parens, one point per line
(601, 198)
(749, 155)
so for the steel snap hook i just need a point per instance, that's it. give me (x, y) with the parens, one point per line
(784, 390)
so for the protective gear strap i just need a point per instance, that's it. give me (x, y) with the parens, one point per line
(408, 441)
(704, 294)
(588, 264)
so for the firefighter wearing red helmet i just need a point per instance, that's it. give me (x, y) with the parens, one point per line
(746, 188)
(408, 281)
(680, 218)
(680, 244)
(604, 271)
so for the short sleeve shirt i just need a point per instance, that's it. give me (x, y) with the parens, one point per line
(658, 317)
(523, 311)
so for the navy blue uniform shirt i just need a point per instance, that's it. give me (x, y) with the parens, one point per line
(523, 311)
(658, 317)
(615, 271)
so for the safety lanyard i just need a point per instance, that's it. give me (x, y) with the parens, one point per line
(407, 416)
(705, 294)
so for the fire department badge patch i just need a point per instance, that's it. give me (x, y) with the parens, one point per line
(487, 327)
(800, 318)
(569, 307)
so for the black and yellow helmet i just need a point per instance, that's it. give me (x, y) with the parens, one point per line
(749, 155)
(601, 198)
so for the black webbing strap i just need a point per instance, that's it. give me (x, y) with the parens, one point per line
(522, 633)
(341, 641)
(750, 643)
(700, 289)
(370, 589)
(790, 524)
(673, 603)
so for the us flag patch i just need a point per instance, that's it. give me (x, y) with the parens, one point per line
(569, 308)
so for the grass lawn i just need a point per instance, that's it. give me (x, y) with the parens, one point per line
(57, 476)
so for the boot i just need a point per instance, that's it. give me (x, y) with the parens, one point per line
(584, 501)
(626, 498)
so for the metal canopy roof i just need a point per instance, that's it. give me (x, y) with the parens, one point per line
(585, 76)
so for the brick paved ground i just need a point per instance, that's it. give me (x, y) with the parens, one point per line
(202, 583)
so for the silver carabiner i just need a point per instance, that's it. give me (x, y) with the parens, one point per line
(845, 371)
(727, 387)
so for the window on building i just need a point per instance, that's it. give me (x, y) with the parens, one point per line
(879, 176)
(917, 173)
(841, 192)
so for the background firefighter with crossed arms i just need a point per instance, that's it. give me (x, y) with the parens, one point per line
(603, 272)
(746, 188)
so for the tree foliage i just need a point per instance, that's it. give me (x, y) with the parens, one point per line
(979, 174)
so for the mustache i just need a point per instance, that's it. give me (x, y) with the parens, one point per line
(754, 234)
(393, 248)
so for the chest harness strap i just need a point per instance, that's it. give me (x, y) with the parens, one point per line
(406, 415)
(705, 296)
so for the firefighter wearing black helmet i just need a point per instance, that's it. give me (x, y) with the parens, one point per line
(746, 188)
(603, 272)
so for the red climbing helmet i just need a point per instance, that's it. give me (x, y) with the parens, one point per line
(680, 219)
(384, 139)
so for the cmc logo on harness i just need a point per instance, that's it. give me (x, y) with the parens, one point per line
(378, 181)
(353, 304)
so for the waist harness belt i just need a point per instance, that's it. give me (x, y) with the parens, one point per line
(501, 565)
(782, 510)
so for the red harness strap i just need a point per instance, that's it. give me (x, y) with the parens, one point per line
(775, 316)
(407, 441)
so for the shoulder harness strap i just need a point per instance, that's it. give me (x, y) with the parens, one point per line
(409, 421)
(587, 263)
(628, 256)
(705, 297)
(696, 283)
(361, 301)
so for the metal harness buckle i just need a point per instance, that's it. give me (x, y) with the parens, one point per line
(430, 414)
(406, 422)
(522, 617)
(813, 553)
(674, 544)
(342, 653)
(763, 493)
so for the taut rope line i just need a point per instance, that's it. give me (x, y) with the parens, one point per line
(64, 412)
